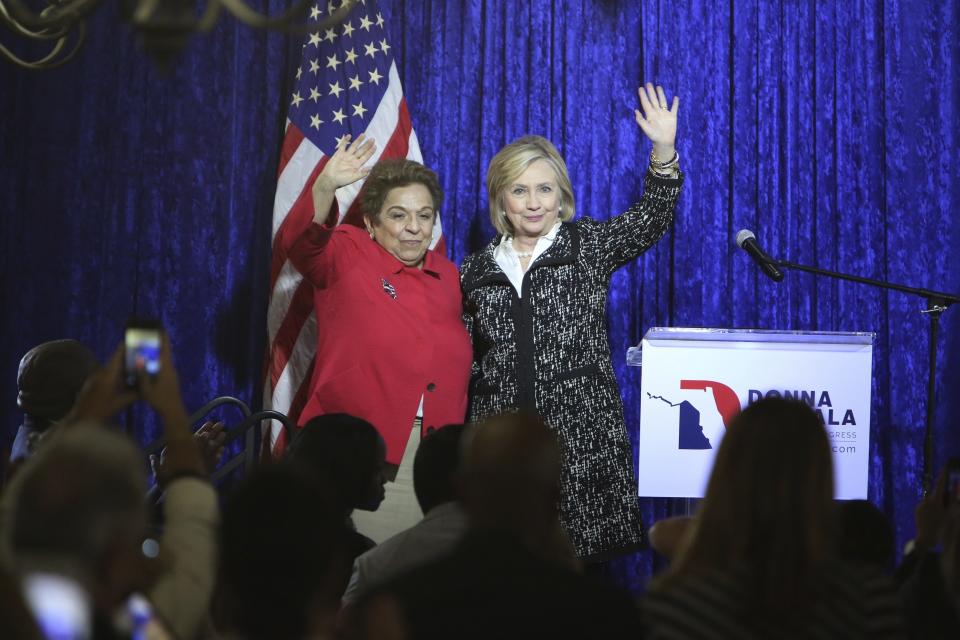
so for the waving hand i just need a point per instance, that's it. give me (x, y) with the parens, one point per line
(344, 167)
(658, 121)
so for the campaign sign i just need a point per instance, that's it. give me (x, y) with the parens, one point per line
(695, 381)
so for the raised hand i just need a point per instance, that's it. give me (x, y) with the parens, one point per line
(345, 166)
(658, 121)
(930, 514)
(104, 394)
(211, 437)
(162, 392)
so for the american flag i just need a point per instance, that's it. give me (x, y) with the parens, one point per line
(347, 83)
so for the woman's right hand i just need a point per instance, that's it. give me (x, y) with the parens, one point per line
(344, 167)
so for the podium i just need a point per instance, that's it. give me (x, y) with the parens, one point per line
(694, 381)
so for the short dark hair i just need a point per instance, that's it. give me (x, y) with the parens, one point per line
(392, 174)
(338, 450)
(435, 466)
(49, 378)
(864, 535)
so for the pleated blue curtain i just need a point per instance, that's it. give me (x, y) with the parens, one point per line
(828, 128)
(130, 192)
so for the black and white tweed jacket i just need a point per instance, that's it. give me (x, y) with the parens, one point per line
(548, 351)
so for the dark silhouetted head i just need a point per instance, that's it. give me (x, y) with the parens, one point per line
(50, 377)
(281, 563)
(347, 455)
(864, 535)
(435, 466)
(510, 474)
(768, 508)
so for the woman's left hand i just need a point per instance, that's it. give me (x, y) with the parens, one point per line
(657, 120)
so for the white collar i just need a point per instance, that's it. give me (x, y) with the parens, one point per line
(509, 261)
(505, 246)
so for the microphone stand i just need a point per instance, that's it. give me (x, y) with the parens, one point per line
(937, 303)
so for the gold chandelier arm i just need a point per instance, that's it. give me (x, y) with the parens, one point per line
(54, 17)
(210, 15)
(242, 12)
(49, 61)
(40, 34)
(155, 19)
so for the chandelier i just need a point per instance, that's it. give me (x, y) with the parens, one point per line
(164, 26)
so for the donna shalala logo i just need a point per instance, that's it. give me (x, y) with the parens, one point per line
(690, 432)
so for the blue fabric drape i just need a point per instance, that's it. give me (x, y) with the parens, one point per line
(829, 128)
(132, 193)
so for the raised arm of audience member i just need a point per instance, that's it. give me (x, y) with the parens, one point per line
(927, 606)
(928, 517)
(950, 560)
(212, 437)
(104, 395)
(181, 594)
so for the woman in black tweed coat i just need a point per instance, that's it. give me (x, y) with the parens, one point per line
(535, 306)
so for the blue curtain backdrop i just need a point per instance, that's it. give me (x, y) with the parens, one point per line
(829, 128)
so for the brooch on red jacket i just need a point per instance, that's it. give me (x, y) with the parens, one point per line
(388, 288)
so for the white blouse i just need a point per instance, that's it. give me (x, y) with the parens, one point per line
(506, 256)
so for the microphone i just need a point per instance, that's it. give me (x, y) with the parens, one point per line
(748, 242)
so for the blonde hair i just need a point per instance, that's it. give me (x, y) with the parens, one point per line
(513, 160)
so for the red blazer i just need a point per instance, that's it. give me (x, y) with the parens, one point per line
(387, 334)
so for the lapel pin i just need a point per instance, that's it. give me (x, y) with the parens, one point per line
(388, 288)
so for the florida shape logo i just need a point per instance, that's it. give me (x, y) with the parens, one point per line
(690, 432)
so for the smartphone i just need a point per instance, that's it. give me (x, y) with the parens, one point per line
(61, 608)
(951, 493)
(142, 343)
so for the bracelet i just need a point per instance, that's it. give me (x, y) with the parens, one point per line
(668, 169)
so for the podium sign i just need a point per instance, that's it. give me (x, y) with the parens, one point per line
(696, 380)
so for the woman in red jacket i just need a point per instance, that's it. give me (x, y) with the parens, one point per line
(391, 345)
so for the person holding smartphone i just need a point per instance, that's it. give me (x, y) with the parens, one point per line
(927, 577)
(87, 475)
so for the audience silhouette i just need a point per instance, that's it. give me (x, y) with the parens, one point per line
(769, 553)
(512, 574)
(284, 554)
(345, 455)
(760, 559)
(435, 484)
